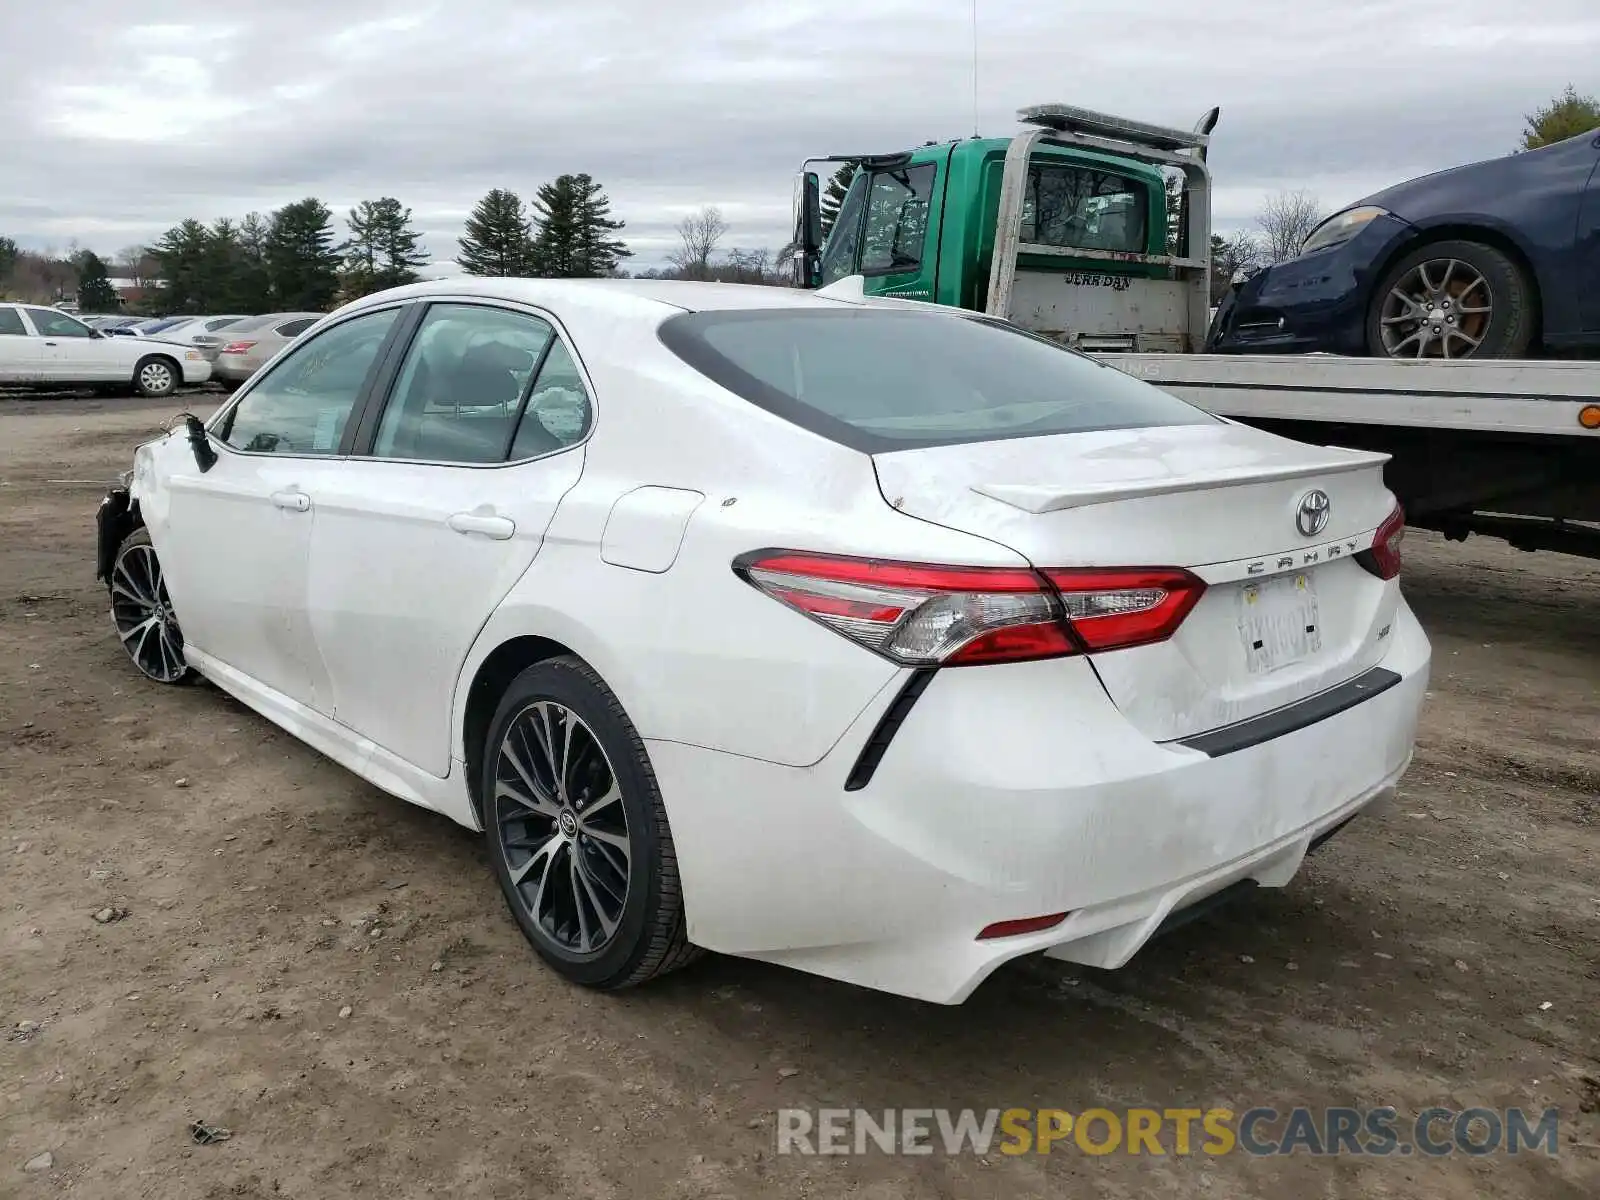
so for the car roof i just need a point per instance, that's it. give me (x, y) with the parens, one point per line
(618, 297)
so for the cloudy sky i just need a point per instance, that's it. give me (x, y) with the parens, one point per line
(125, 117)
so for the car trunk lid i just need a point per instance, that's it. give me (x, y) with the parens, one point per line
(1288, 611)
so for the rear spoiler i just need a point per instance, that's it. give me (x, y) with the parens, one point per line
(1044, 498)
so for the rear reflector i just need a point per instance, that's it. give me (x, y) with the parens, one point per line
(921, 614)
(1001, 929)
(1383, 559)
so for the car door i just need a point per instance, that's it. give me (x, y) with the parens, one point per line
(1586, 248)
(70, 353)
(236, 541)
(438, 512)
(21, 352)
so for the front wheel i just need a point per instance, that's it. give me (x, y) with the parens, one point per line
(156, 377)
(578, 832)
(1453, 299)
(142, 612)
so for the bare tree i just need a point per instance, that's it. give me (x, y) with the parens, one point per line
(1231, 257)
(1286, 220)
(700, 233)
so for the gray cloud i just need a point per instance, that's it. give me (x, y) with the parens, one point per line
(127, 118)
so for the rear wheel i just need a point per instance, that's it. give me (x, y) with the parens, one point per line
(1452, 300)
(142, 612)
(156, 376)
(578, 832)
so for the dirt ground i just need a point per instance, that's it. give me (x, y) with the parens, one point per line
(1446, 953)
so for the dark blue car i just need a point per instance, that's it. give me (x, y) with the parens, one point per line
(1499, 259)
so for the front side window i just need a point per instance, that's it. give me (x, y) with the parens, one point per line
(11, 323)
(1084, 208)
(897, 220)
(52, 324)
(461, 388)
(879, 379)
(302, 405)
(839, 255)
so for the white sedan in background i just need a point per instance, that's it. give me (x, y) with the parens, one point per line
(882, 641)
(44, 346)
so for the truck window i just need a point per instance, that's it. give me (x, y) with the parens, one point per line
(897, 220)
(1082, 207)
(883, 379)
(839, 255)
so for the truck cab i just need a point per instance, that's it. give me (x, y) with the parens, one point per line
(1064, 230)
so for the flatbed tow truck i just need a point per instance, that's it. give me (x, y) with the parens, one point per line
(1062, 230)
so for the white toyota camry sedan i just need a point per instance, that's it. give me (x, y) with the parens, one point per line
(880, 640)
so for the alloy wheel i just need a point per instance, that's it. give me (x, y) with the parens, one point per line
(563, 828)
(1441, 308)
(143, 614)
(156, 378)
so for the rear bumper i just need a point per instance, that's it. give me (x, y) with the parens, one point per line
(234, 368)
(1009, 793)
(196, 370)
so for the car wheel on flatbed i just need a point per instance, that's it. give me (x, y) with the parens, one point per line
(156, 376)
(578, 832)
(143, 614)
(1455, 299)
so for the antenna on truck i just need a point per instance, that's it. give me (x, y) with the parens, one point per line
(974, 68)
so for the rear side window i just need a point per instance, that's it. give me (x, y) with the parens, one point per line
(1080, 207)
(880, 379)
(11, 323)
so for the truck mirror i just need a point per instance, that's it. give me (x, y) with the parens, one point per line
(807, 228)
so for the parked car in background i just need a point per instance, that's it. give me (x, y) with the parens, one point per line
(207, 333)
(47, 346)
(1491, 260)
(253, 340)
(887, 642)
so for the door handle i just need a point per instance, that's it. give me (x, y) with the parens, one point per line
(293, 501)
(498, 528)
(49, 343)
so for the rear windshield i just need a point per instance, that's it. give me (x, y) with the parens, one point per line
(881, 379)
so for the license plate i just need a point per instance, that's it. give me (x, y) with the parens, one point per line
(1278, 621)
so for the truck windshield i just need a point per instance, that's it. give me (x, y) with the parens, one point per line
(883, 379)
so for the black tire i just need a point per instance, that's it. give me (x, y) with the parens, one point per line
(157, 376)
(649, 937)
(141, 612)
(1506, 331)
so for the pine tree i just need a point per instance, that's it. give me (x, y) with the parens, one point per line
(499, 237)
(833, 195)
(574, 228)
(95, 293)
(382, 251)
(221, 266)
(254, 285)
(182, 257)
(301, 256)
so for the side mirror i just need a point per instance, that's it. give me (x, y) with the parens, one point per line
(200, 443)
(807, 228)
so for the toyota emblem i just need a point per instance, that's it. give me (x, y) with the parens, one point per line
(1312, 516)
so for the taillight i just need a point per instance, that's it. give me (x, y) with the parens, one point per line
(1110, 610)
(236, 348)
(1383, 559)
(920, 614)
